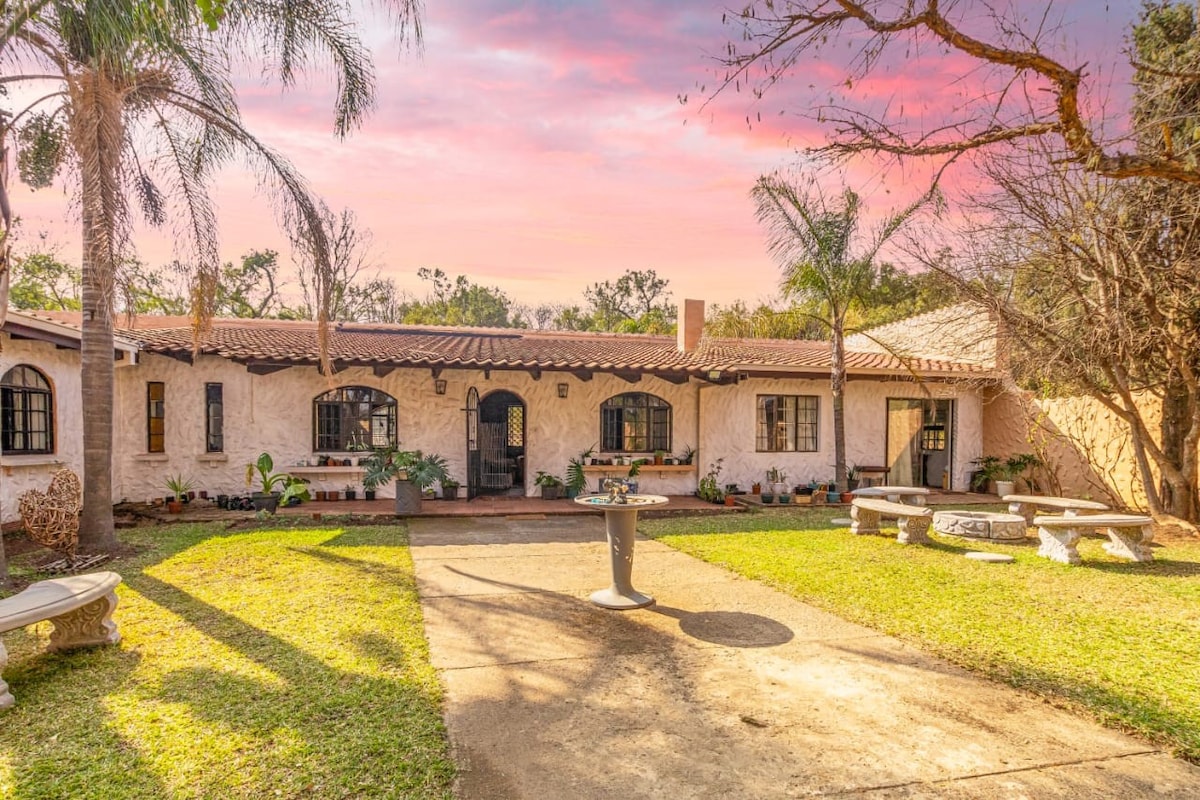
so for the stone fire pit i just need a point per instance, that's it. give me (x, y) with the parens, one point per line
(979, 524)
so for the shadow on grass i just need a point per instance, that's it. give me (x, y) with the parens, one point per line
(62, 702)
(332, 732)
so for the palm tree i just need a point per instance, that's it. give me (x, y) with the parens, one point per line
(813, 239)
(142, 91)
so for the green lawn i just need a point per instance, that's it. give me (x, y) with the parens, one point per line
(1117, 639)
(264, 664)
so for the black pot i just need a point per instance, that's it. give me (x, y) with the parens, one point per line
(222, 501)
(369, 494)
(264, 502)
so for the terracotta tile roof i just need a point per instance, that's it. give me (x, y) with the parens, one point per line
(284, 343)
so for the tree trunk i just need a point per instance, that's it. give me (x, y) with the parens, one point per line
(837, 384)
(1175, 419)
(97, 131)
(96, 379)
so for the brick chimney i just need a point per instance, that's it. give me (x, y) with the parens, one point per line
(690, 325)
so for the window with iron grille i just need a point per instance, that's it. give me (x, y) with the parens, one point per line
(635, 422)
(516, 426)
(787, 423)
(354, 418)
(26, 412)
(156, 411)
(214, 417)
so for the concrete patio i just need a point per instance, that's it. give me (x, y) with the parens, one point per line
(725, 688)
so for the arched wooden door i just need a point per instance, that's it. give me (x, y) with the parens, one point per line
(474, 468)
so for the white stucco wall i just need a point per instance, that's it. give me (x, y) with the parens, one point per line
(274, 413)
(728, 418)
(61, 368)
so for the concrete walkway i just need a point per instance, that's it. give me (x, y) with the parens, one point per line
(724, 689)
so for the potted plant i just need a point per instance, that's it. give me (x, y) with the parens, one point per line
(351, 493)
(686, 456)
(368, 494)
(178, 486)
(708, 489)
(413, 472)
(659, 455)
(576, 478)
(551, 485)
(777, 480)
(1014, 470)
(273, 487)
(756, 488)
(852, 479)
(635, 469)
(450, 489)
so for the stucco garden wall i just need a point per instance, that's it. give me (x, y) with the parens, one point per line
(1087, 448)
(274, 413)
(728, 418)
(61, 368)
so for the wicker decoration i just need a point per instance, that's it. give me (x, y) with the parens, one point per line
(52, 518)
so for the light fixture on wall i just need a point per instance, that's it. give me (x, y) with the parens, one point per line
(439, 386)
(562, 390)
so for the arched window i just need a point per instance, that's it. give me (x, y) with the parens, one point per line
(353, 418)
(26, 412)
(635, 422)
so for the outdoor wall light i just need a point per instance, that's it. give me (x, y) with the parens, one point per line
(439, 386)
(562, 390)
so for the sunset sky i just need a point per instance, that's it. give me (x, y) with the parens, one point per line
(543, 146)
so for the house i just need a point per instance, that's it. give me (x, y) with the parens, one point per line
(498, 404)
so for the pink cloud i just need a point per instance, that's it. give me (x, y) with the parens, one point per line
(543, 147)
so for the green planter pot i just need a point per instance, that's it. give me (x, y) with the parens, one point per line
(768, 499)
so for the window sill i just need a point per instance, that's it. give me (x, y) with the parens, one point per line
(47, 460)
(152, 458)
(212, 458)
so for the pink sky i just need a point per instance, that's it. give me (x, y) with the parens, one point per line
(541, 147)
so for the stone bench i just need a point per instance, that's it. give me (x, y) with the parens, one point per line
(1129, 534)
(913, 521)
(1027, 505)
(80, 606)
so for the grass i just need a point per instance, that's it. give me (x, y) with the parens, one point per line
(271, 663)
(1110, 637)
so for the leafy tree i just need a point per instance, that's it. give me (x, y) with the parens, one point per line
(251, 289)
(461, 302)
(814, 239)
(42, 282)
(142, 90)
(636, 302)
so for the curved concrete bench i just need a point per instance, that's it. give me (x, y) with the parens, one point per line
(913, 521)
(1130, 536)
(80, 606)
(1028, 504)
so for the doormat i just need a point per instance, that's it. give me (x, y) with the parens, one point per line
(520, 517)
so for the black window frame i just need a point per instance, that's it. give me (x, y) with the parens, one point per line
(214, 418)
(336, 412)
(615, 423)
(796, 435)
(156, 417)
(26, 412)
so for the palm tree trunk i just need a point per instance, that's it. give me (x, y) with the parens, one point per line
(837, 383)
(97, 132)
(96, 379)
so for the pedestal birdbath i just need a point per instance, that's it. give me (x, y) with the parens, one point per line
(620, 523)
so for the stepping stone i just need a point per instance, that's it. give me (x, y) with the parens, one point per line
(991, 558)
